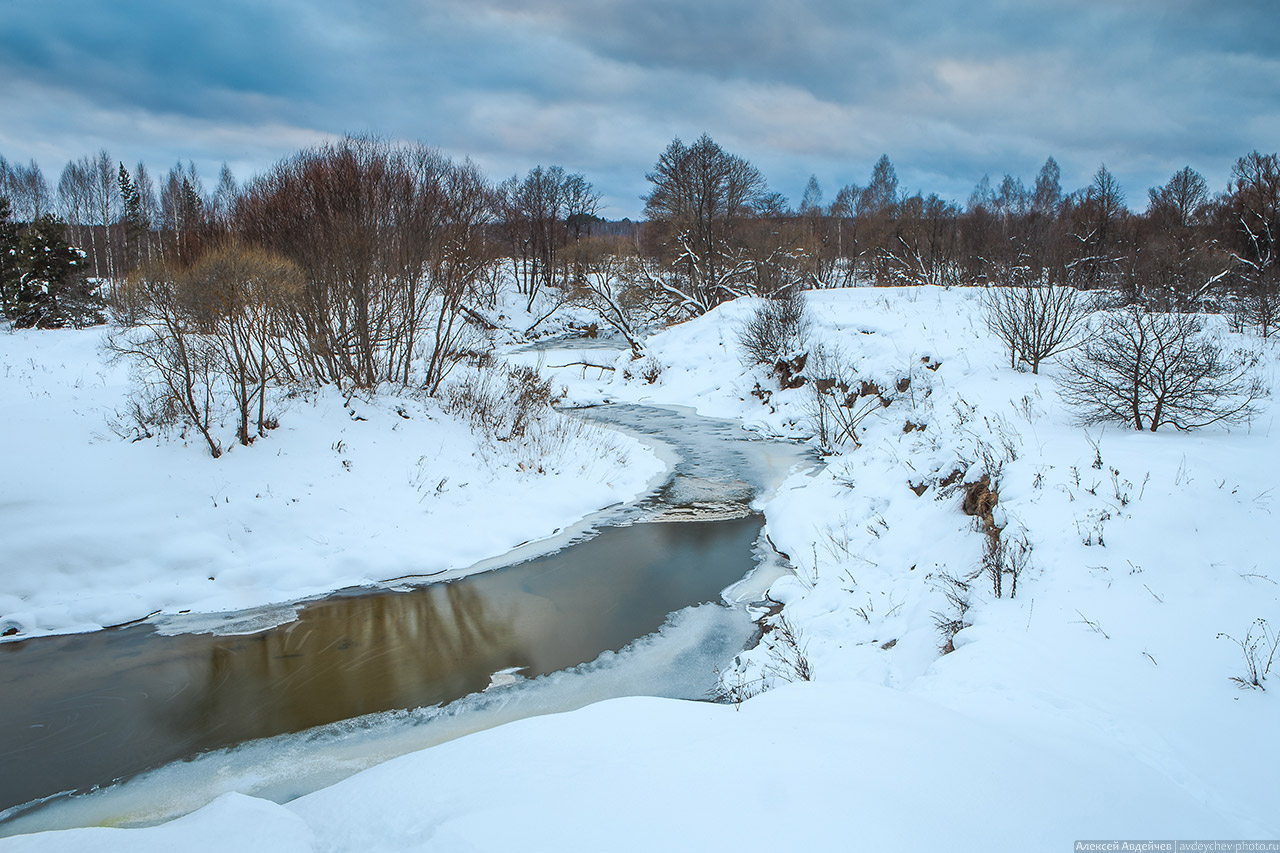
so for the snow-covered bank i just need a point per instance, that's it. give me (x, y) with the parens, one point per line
(1143, 549)
(347, 491)
(1097, 703)
(889, 772)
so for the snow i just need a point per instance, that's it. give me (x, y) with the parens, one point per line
(1097, 703)
(348, 491)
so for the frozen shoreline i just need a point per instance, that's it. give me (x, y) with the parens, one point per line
(347, 492)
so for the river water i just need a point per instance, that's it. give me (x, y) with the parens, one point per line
(639, 605)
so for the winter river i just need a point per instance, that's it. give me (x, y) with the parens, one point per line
(135, 725)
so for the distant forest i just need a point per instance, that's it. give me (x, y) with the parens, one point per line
(363, 262)
(714, 228)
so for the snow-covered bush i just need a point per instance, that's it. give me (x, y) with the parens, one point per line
(839, 401)
(501, 402)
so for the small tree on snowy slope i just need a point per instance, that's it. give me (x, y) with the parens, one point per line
(1152, 370)
(1034, 320)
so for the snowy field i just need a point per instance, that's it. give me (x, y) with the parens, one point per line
(1097, 703)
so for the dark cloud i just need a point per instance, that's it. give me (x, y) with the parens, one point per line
(949, 91)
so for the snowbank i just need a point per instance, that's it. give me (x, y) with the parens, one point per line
(347, 491)
(1097, 703)
(807, 767)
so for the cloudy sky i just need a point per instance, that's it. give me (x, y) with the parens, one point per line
(949, 90)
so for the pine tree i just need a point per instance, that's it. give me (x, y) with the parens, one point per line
(135, 227)
(50, 277)
(9, 276)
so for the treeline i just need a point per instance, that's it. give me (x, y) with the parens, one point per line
(362, 262)
(724, 233)
(715, 230)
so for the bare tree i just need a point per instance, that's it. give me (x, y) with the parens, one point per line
(540, 214)
(925, 244)
(1034, 320)
(176, 362)
(184, 215)
(610, 283)
(1150, 370)
(240, 296)
(391, 241)
(1254, 206)
(223, 202)
(1047, 195)
(28, 191)
(105, 210)
(700, 196)
(149, 205)
(75, 200)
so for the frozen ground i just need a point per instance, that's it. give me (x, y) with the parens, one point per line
(1096, 704)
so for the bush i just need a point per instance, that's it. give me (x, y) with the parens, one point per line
(501, 402)
(777, 329)
(1152, 370)
(1035, 322)
(839, 401)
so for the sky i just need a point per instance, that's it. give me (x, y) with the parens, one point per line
(949, 91)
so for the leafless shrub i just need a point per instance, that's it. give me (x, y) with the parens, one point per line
(501, 402)
(650, 370)
(1035, 321)
(736, 688)
(1152, 370)
(838, 401)
(1017, 559)
(1259, 647)
(777, 329)
(241, 296)
(993, 556)
(1005, 556)
(788, 653)
(174, 360)
(958, 596)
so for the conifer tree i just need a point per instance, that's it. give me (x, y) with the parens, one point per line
(9, 278)
(135, 228)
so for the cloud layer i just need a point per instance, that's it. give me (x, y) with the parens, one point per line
(949, 91)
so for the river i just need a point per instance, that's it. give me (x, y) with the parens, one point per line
(136, 725)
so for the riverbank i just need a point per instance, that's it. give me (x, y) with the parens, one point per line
(1144, 562)
(349, 490)
(1096, 703)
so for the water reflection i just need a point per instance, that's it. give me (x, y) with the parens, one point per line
(88, 709)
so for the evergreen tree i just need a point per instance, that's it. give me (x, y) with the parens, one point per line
(9, 276)
(135, 227)
(50, 290)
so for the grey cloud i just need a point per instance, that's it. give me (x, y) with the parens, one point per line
(813, 86)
